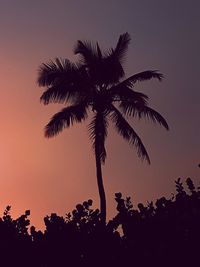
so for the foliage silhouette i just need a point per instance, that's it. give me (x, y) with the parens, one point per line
(97, 84)
(166, 233)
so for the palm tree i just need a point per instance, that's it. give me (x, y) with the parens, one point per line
(96, 84)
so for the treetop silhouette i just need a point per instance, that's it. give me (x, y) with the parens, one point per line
(96, 83)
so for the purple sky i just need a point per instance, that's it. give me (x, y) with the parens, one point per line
(53, 175)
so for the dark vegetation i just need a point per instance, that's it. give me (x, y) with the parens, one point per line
(166, 233)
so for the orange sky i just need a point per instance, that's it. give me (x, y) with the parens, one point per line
(54, 175)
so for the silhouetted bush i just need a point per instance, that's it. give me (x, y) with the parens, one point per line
(166, 233)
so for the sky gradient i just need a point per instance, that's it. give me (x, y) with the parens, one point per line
(54, 175)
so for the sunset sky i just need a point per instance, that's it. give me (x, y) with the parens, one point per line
(54, 175)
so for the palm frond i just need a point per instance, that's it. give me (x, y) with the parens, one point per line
(143, 76)
(88, 51)
(73, 93)
(122, 46)
(56, 71)
(122, 92)
(142, 111)
(127, 132)
(107, 68)
(111, 70)
(98, 132)
(99, 51)
(65, 118)
(113, 59)
(58, 94)
(65, 81)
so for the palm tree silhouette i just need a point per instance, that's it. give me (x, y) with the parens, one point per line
(94, 84)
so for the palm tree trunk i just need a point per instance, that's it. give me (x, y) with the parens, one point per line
(101, 188)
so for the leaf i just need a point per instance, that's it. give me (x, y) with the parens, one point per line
(65, 118)
(127, 132)
(134, 108)
(56, 71)
(143, 76)
(122, 46)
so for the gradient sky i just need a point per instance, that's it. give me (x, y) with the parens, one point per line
(54, 175)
